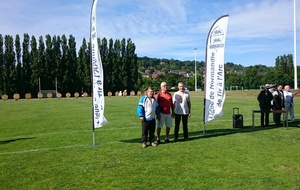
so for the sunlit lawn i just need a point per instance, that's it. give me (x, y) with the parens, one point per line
(47, 144)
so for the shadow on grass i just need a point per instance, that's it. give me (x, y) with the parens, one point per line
(222, 132)
(13, 140)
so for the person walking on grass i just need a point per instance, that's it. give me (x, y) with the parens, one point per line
(164, 99)
(288, 104)
(182, 110)
(146, 110)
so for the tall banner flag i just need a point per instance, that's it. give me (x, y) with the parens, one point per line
(96, 74)
(214, 71)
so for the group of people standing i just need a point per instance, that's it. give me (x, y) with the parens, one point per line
(163, 108)
(276, 99)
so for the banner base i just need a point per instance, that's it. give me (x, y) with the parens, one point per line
(204, 133)
(94, 144)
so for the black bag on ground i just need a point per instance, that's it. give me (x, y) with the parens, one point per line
(237, 118)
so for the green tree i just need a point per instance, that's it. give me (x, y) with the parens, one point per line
(132, 69)
(252, 78)
(124, 66)
(234, 79)
(41, 63)
(67, 75)
(270, 77)
(115, 47)
(56, 45)
(1, 65)
(35, 68)
(26, 66)
(62, 75)
(284, 67)
(49, 67)
(190, 83)
(83, 68)
(9, 74)
(72, 63)
(172, 79)
(147, 82)
(19, 75)
(200, 81)
(107, 57)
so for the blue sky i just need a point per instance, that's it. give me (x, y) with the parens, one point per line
(258, 30)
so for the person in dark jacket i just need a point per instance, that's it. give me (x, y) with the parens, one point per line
(264, 98)
(278, 103)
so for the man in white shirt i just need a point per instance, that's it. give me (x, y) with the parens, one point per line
(182, 109)
(288, 103)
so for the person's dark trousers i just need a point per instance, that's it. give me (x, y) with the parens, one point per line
(277, 117)
(184, 125)
(274, 117)
(264, 116)
(148, 127)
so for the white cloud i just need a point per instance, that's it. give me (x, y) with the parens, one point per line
(266, 20)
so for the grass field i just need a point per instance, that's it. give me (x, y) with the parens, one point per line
(47, 144)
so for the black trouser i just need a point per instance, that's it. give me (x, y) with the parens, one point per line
(276, 117)
(148, 127)
(184, 125)
(264, 116)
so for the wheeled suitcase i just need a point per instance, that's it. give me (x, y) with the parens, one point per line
(237, 118)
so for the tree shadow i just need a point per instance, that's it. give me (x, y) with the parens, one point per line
(210, 133)
(13, 140)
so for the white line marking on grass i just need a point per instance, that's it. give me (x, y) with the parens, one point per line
(54, 148)
(109, 129)
(41, 149)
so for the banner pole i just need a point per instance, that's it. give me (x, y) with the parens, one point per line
(204, 133)
(295, 49)
(92, 78)
(94, 142)
(93, 126)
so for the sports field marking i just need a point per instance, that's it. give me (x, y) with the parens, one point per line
(136, 126)
(104, 128)
(53, 148)
(40, 149)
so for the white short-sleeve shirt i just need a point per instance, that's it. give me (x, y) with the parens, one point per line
(180, 101)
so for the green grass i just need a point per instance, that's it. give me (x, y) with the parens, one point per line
(47, 144)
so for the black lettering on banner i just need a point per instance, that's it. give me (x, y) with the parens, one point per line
(212, 95)
(97, 111)
(212, 72)
(211, 110)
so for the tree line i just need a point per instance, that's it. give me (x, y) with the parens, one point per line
(251, 77)
(23, 64)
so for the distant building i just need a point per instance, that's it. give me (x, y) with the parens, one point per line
(156, 73)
